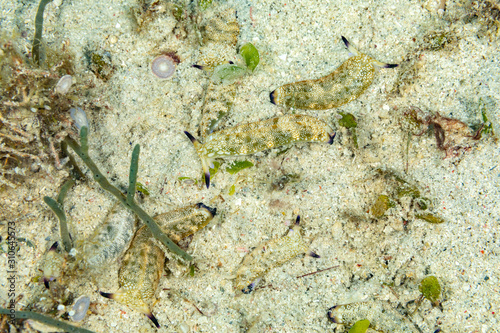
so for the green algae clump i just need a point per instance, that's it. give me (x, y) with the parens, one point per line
(349, 122)
(430, 289)
(431, 218)
(360, 326)
(237, 166)
(250, 55)
(380, 206)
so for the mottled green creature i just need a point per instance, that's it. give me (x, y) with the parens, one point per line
(143, 262)
(258, 136)
(185, 221)
(268, 255)
(343, 85)
(140, 274)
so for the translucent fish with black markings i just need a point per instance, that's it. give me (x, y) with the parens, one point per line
(53, 265)
(261, 135)
(140, 274)
(185, 221)
(268, 255)
(111, 238)
(343, 85)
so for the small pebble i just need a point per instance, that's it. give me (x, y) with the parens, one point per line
(113, 39)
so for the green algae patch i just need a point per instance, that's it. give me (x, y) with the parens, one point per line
(141, 188)
(360, 326)
(349, 122)
(204, 4)
(232, 190)
(237, 166)
(380, 206)
(431, 218)
(408, 191)
(430, 289)
(250, 55)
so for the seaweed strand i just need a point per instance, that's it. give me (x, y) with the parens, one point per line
(132, 178)
(45, 320)
(82, 152)
(37, 41)
(76, 173)
(56, 207)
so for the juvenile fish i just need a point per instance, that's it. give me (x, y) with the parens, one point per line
(180, 223)
(139, 274)
(143, 262)
(111, 238)
(258, 136)
(268, 255)
(343, 85)
(52, 265)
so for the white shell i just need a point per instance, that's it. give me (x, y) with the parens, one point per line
(80, 308)
(79, 117)
(63, 85)
(163, 67)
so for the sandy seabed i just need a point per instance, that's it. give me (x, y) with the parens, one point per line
(449, 63)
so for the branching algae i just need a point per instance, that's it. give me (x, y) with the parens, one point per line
(343, 85)
(258, 136)
(128, 201)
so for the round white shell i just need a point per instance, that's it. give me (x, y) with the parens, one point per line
(163, 67)
(64, 84)
(80, 308)
(79, 117)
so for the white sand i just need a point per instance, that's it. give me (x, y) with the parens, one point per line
(297, 40)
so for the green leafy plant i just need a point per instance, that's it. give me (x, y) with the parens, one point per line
(128, 201)
(250, 55)
(430, 289)
(349, 122)
(237, 166)
(360, 326)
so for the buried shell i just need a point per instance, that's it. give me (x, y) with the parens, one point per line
(268, 255)
(343, 85)
(139, 274)
(261, 135)
(185, 221)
